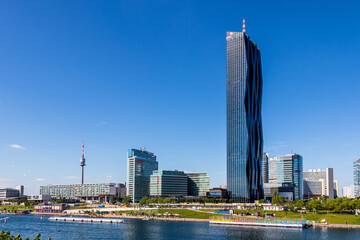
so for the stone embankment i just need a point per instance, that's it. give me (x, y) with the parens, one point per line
(159, 218)
(347, 226)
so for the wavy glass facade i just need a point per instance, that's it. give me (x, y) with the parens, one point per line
(244, 128)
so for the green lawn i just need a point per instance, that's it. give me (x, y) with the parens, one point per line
(330, 218)
(15, 208)
(209, 210)
(184, 213)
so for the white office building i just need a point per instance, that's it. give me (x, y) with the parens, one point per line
(318, 183)
(348, 191)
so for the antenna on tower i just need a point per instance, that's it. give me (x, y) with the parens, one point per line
(244, 26)
(82, 148)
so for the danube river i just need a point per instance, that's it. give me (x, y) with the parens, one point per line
(30, 225)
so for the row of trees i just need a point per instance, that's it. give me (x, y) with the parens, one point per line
(7, 236)
(146, 200)
(322, 203)
(334, 205)
(126, 200)
(22, 200)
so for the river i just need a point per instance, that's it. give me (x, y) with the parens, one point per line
(30, 225)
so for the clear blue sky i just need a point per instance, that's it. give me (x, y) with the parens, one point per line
(131, 74)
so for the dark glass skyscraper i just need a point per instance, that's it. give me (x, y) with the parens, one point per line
(244, 128)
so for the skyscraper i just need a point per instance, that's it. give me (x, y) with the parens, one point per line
(244, 128)
(140, 165)
(357, 178)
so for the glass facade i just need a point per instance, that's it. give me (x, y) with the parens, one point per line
(198, 184)
(244, 128)
(357, 178)
(289, 169)
(164, 183)
(265, 168)
(313, 188)
(140, 165)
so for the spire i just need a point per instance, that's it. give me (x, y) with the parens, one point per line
(244, 26)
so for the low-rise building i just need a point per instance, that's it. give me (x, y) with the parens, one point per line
(218, 193)
(269, 207)
(8, 193)
(99, 192)
(38, 198)
(48, 208)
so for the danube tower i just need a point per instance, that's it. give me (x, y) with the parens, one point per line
(243, 120)
(82, 164)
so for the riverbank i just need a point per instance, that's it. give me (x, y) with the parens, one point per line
(343, 226)
(333, 220)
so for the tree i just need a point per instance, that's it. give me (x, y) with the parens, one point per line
(324, 198)
(127, 200)
(144, 201)
(291, 205)
(314, 205)
(300, 203)
(263, 201)
(276, 199)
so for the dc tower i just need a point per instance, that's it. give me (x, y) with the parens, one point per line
(82, 164)
(244, 126)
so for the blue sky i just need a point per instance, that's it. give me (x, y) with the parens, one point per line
(131, 74)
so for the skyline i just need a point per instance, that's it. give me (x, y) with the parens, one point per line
(131, 75)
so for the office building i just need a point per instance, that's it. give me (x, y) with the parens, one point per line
(244, 127)
(272, 170)
(336, 188)
(287, 169)
(218, 193)
(348, 191)
(39, 198)
(283, 189)
(165, 183)
(20, 188)
(357, 178)
(99, 192)
(9, 193)
(120, 189)
(140, 165)
(198, 184)
(265, 167)
(318, 183)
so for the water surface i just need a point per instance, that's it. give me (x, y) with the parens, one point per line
(30, 225)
